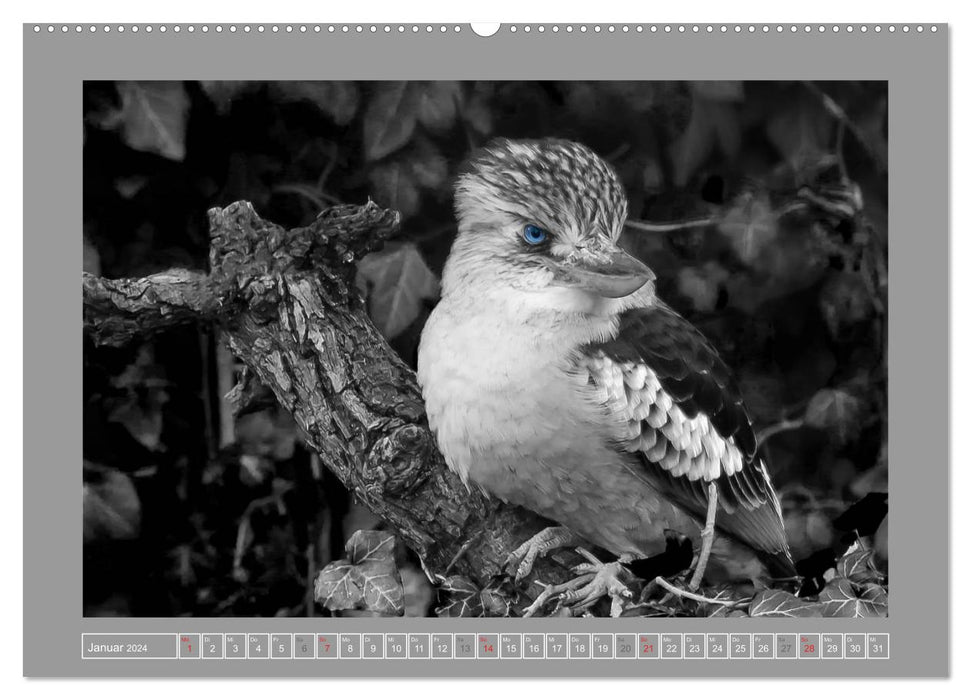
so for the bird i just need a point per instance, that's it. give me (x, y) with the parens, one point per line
(555, 379)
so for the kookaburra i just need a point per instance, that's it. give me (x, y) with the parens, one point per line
(555, 379)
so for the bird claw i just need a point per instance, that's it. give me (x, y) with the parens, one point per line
(595, 580)
(525, 556)
(607, 581)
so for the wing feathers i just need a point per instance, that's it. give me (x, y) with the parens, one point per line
(687, 422)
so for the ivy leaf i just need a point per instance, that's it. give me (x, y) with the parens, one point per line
(460, 598)
(396, 281)
(836, 411)
(844, 302)
(367, 578)
(337, 588)
(702, 285)
(369, 547)
(390, 118)
(801, 133)
(857, 566)
(841, 598)
(396, 187)
(142, 395)
(428, 165)
(476, 111)
(141, 414)
(372, 554)
(494, 603)
(439, 103)
(781, 604)
(112, 509)
(153, 117)
(397, 183)
(713, 127)
(338, 99)
(750, 226)
(222, 92)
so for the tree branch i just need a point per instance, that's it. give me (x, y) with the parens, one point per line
(286, 301)
(115, 311)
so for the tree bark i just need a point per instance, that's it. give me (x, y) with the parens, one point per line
(287, 303)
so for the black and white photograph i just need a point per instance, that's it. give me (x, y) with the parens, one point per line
(485, 349)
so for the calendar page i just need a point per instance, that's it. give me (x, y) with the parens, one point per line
(506, 350)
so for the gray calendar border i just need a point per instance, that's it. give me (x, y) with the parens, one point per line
(916, 66)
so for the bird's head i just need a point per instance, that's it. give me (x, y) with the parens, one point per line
(540, 220)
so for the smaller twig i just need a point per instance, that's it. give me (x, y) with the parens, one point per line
(780, 427)
(615, 155)
(681, 593)
(242, 532)
(459, 554)
(669, 226)
(707, 537)
(839, 114)
(229, 601)
(331, 151)
(729, 605)
(434, 578)
(320, 199)
(790, 208)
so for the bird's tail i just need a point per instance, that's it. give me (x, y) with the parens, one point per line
(779, 566)
(735, 562)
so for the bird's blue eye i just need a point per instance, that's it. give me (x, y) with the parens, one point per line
(534, 235)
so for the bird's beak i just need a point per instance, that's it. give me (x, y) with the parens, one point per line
(612, 275)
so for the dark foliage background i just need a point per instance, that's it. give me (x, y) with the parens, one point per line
(762, 207)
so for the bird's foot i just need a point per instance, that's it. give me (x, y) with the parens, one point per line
(524, 556)
(608, 580)
(596, 580)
